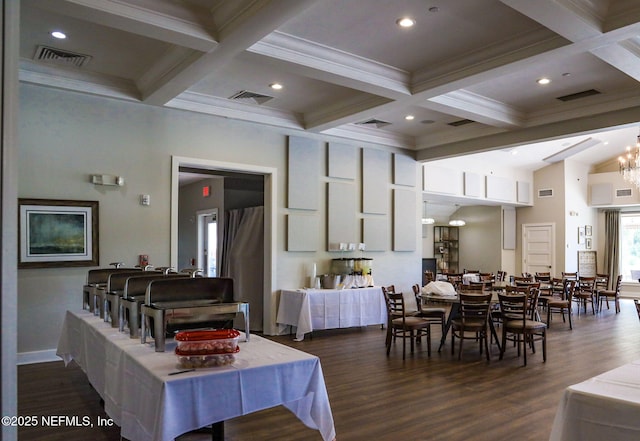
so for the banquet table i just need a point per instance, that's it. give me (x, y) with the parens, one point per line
(605, 407)
(312, 309)
(149, 402)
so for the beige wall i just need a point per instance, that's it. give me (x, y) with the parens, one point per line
(65, 137)
(481, 238)
(568, 209)
(545, 210)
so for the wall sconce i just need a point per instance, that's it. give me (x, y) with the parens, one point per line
(107, 180)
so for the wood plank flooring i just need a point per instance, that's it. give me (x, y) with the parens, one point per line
(378, 398)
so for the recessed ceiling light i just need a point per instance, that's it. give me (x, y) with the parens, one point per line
(514, 152)
(543, 81)
(275, 86)
(405, 22)
(409, 117)
(59, 35)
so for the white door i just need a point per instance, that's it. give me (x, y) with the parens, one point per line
(538, 248)
(208, 242)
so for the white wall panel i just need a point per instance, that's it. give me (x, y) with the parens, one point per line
(341, 214)
(304, 173)
(343, 161)
(375, 181)
(404, 220)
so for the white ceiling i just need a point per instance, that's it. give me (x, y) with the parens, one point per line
(344, 62)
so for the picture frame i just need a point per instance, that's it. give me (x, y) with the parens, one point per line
(581, 235)
(588, 230)
(588, 243)
(57, 233)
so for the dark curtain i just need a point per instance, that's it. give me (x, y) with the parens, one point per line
(612, 244)
(243, 259)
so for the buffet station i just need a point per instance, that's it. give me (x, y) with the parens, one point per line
(603, 407)
(346, 298)
(186, 367)
(157, 396)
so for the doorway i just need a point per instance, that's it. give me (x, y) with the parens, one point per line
(208, 242)
(538, 248)
(269, 176)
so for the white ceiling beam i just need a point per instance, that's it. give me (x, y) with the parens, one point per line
(575, 20)
(256, 22)
(337, 67)
(478, 108)
(196, 102)
(555, 130)
(161, 20)
(578, 21)
(624, 56)
(77, 81)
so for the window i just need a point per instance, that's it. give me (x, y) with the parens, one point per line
(630, 246)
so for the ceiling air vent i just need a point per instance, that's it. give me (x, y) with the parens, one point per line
(255, 97)
(461, 122)
(545, 193)
(378, 124)
(623, 192)
(57, 56)
(578, 95)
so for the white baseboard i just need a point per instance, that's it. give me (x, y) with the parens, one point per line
(37, 357)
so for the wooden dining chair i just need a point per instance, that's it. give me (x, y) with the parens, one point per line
(405, 327)
(613, 294)
(436, 315)
(518, 327)
(561, 304)
(585, 292)
(473, 322)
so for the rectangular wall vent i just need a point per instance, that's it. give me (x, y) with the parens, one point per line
(578, 95)
(623, 192)
(545, 193)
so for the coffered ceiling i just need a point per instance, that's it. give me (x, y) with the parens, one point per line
(466, 71)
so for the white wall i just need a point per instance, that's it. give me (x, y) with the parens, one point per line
(64, 137)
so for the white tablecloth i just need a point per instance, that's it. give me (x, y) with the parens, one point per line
(150, 405)
(470, 277)
(605, 407)
(309, 309)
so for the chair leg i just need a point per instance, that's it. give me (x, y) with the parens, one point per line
(569, 314)
(544, 345)
(617, 305)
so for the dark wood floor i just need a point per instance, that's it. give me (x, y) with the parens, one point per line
(375, 397)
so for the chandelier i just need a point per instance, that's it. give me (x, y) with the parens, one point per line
(630, 164)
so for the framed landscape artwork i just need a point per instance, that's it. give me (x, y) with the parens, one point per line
(57, 233)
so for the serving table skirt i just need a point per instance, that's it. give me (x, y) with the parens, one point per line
(312, 309)
(150, 405)
(605, 407)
